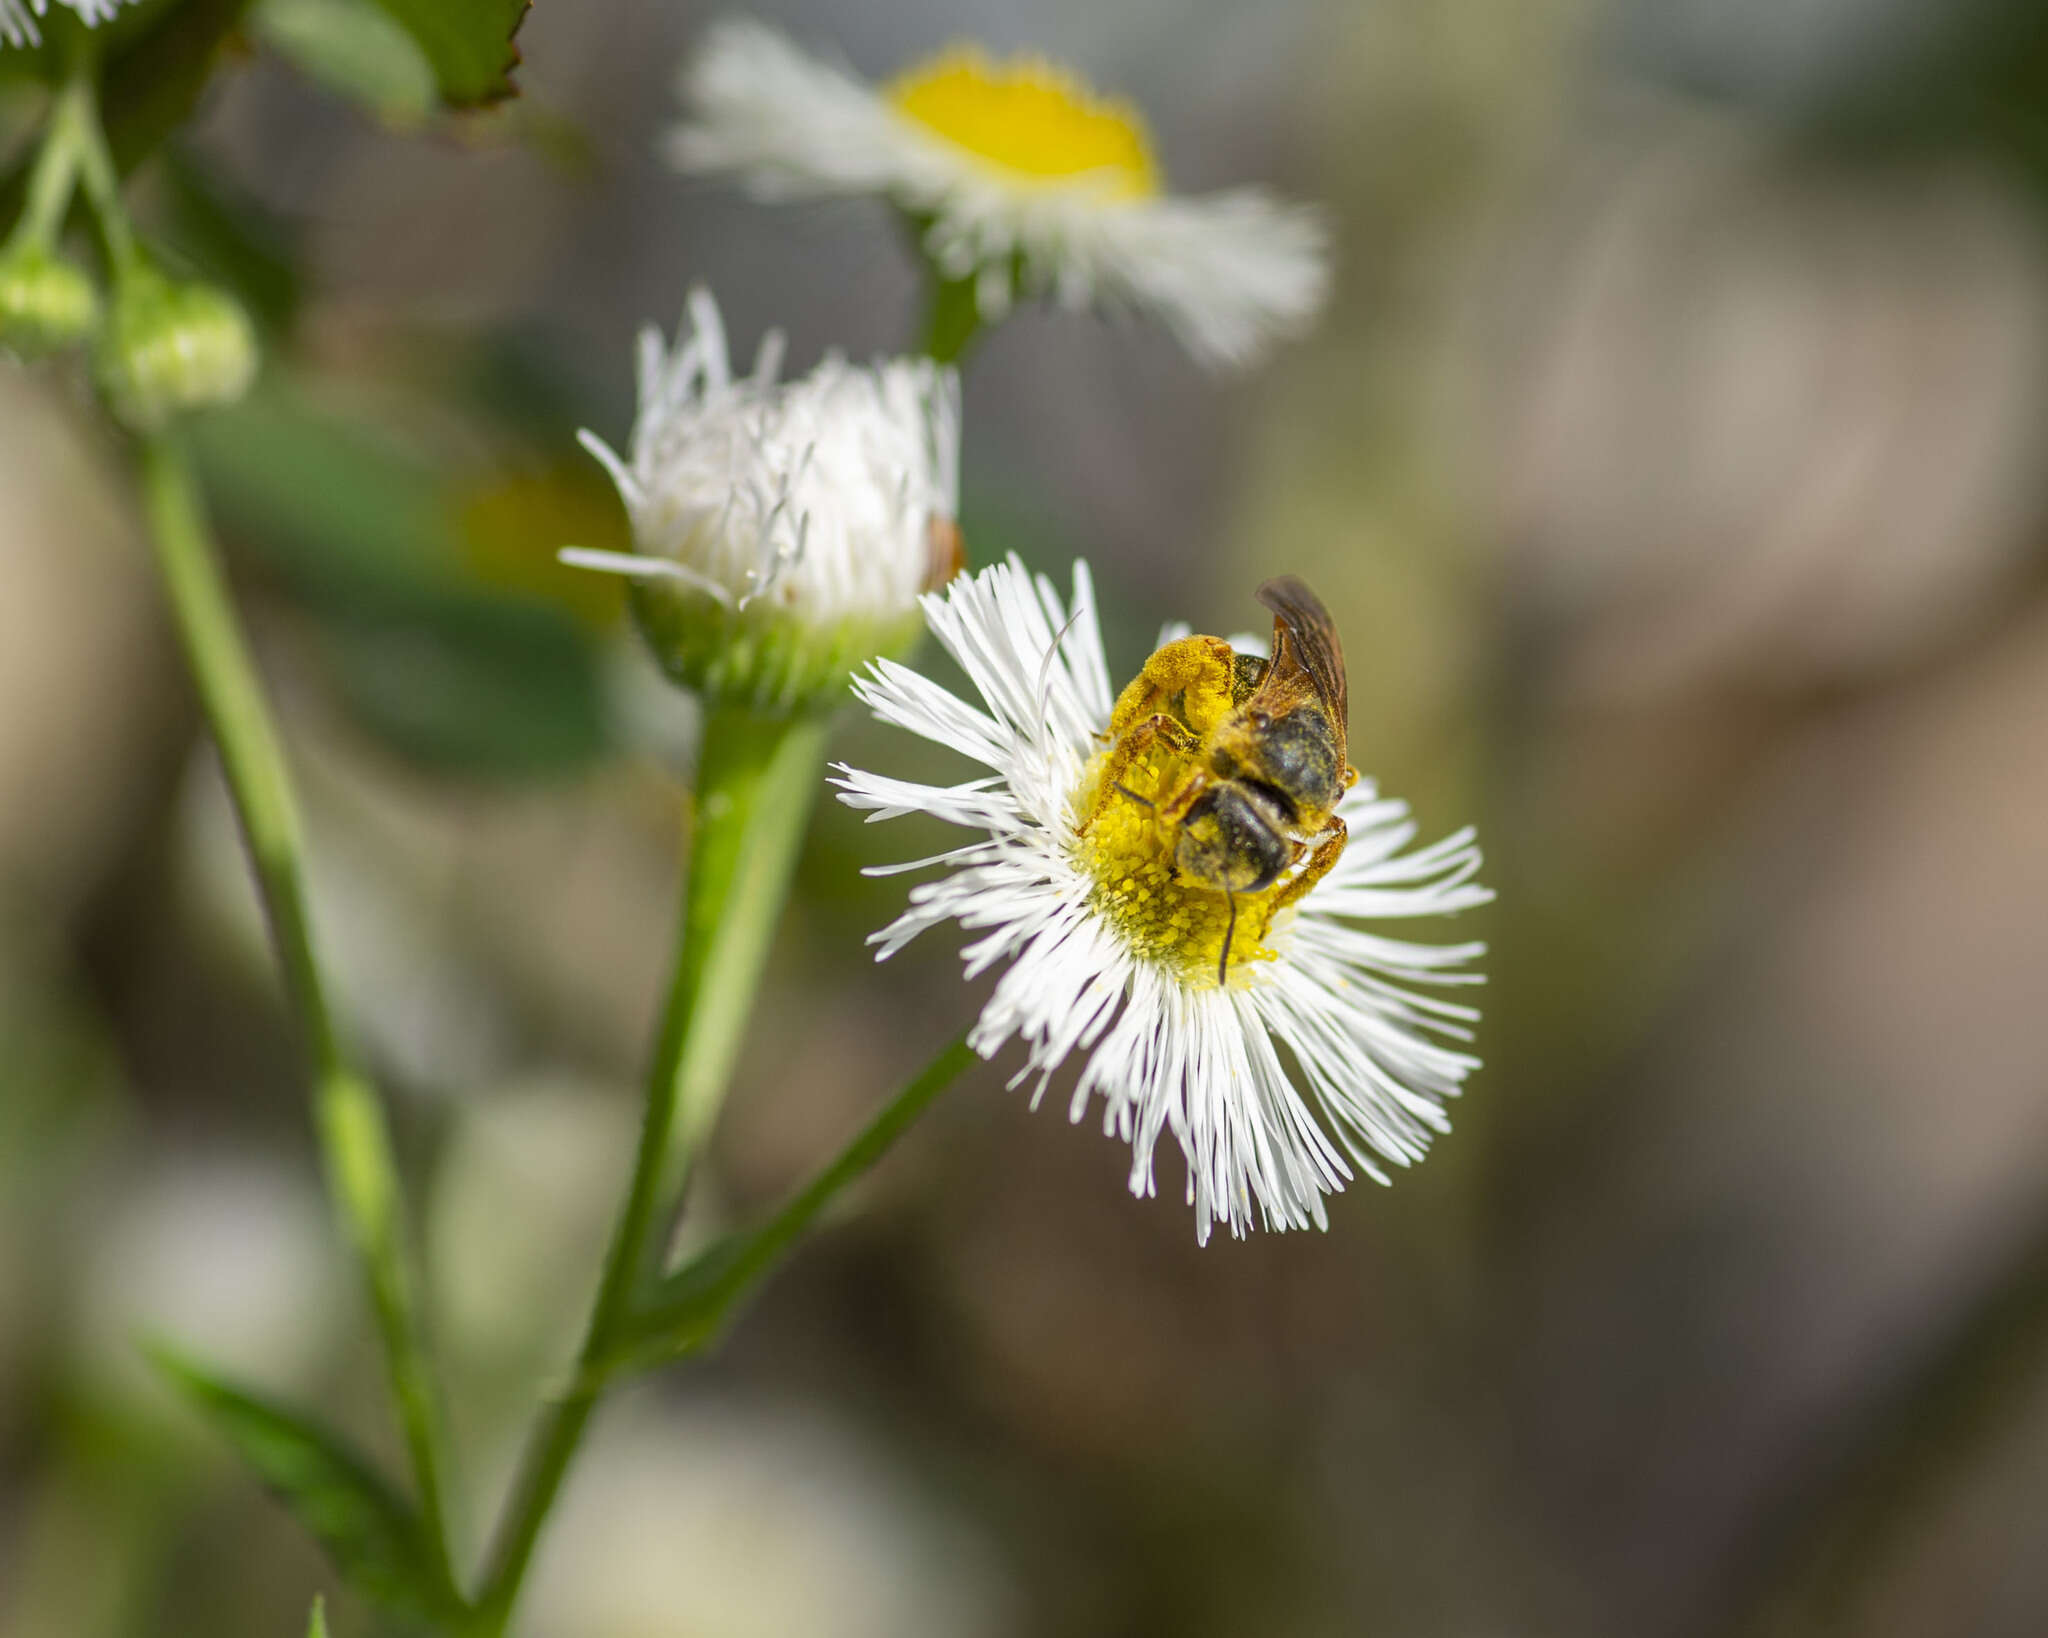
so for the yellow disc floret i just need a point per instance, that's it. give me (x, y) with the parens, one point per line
(1126, 846)
(1029, 118)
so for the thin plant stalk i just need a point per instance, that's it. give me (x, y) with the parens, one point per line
(75, 123)
(952, 321)
(683, 1314)
(689, 1309)
(55, 174)
(757, 778)
(354, 1139)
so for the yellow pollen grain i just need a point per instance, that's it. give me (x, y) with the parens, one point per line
(1127, 851)
(1031, 118)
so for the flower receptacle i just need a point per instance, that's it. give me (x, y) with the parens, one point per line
(762, 657)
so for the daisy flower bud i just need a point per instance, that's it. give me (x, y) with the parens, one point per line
(783, 531)
(1021, 180)
(1275, 1030)
(46, 303)
(171, 346)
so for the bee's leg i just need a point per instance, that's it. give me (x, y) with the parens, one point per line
(1229, 932)
(1135, 742)
(1328, 851)
(1195, 671)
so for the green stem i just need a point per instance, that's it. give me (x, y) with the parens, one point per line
(690, 1307)
(355, 1142)
(55, 175)
(952, 319)
(686, 1311)
(756, 780)
(78, 110)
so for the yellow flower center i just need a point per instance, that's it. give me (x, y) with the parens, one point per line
(1030, 118)
(1127, 850)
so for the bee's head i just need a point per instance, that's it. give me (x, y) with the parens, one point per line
(1233, 839)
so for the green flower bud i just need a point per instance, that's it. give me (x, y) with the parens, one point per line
(762, 656)
(171, 346)
(783, 531)
(46, 303)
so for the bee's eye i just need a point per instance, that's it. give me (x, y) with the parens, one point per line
(1262, 719)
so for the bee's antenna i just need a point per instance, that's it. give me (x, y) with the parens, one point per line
(1229, 928)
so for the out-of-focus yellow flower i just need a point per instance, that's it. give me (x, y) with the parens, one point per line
(1020, 178)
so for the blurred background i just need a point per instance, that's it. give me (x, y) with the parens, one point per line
(1672, 455)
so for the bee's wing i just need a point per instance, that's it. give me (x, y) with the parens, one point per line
(1305, 646)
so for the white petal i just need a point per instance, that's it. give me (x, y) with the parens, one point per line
(820, 492)
(1230, 273)
(1332, 1058)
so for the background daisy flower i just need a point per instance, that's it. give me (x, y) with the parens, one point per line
(1319, 1054)
(783, 530)
(1020, 178)
(18, 17)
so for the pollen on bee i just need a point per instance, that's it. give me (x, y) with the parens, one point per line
(1127, 849)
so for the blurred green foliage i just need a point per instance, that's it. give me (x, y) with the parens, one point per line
(443, 632)
(372, 1534)
(468, 42)
(355, 51)
(1167, 1443)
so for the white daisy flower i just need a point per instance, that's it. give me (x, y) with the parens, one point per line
(1019, 177)
(783, 531)
(18, 17)
(1318, 1054)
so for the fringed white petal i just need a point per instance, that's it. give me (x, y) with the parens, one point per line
(821, 493)
(1333, 1058)
(18, 17)
(1229, 273)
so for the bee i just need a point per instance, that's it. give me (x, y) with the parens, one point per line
(1263, 746)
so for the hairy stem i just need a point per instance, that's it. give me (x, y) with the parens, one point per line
(690, 1307)
(756, 780)
(757, 783)
(355, 1142)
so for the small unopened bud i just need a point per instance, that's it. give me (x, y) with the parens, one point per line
(46, 303)
(783, 531)
(171, 346)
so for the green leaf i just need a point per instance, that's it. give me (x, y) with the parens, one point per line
(689, 1309)
(316, 1623)
(356, 50)
(370, 1532)
(468, 42)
